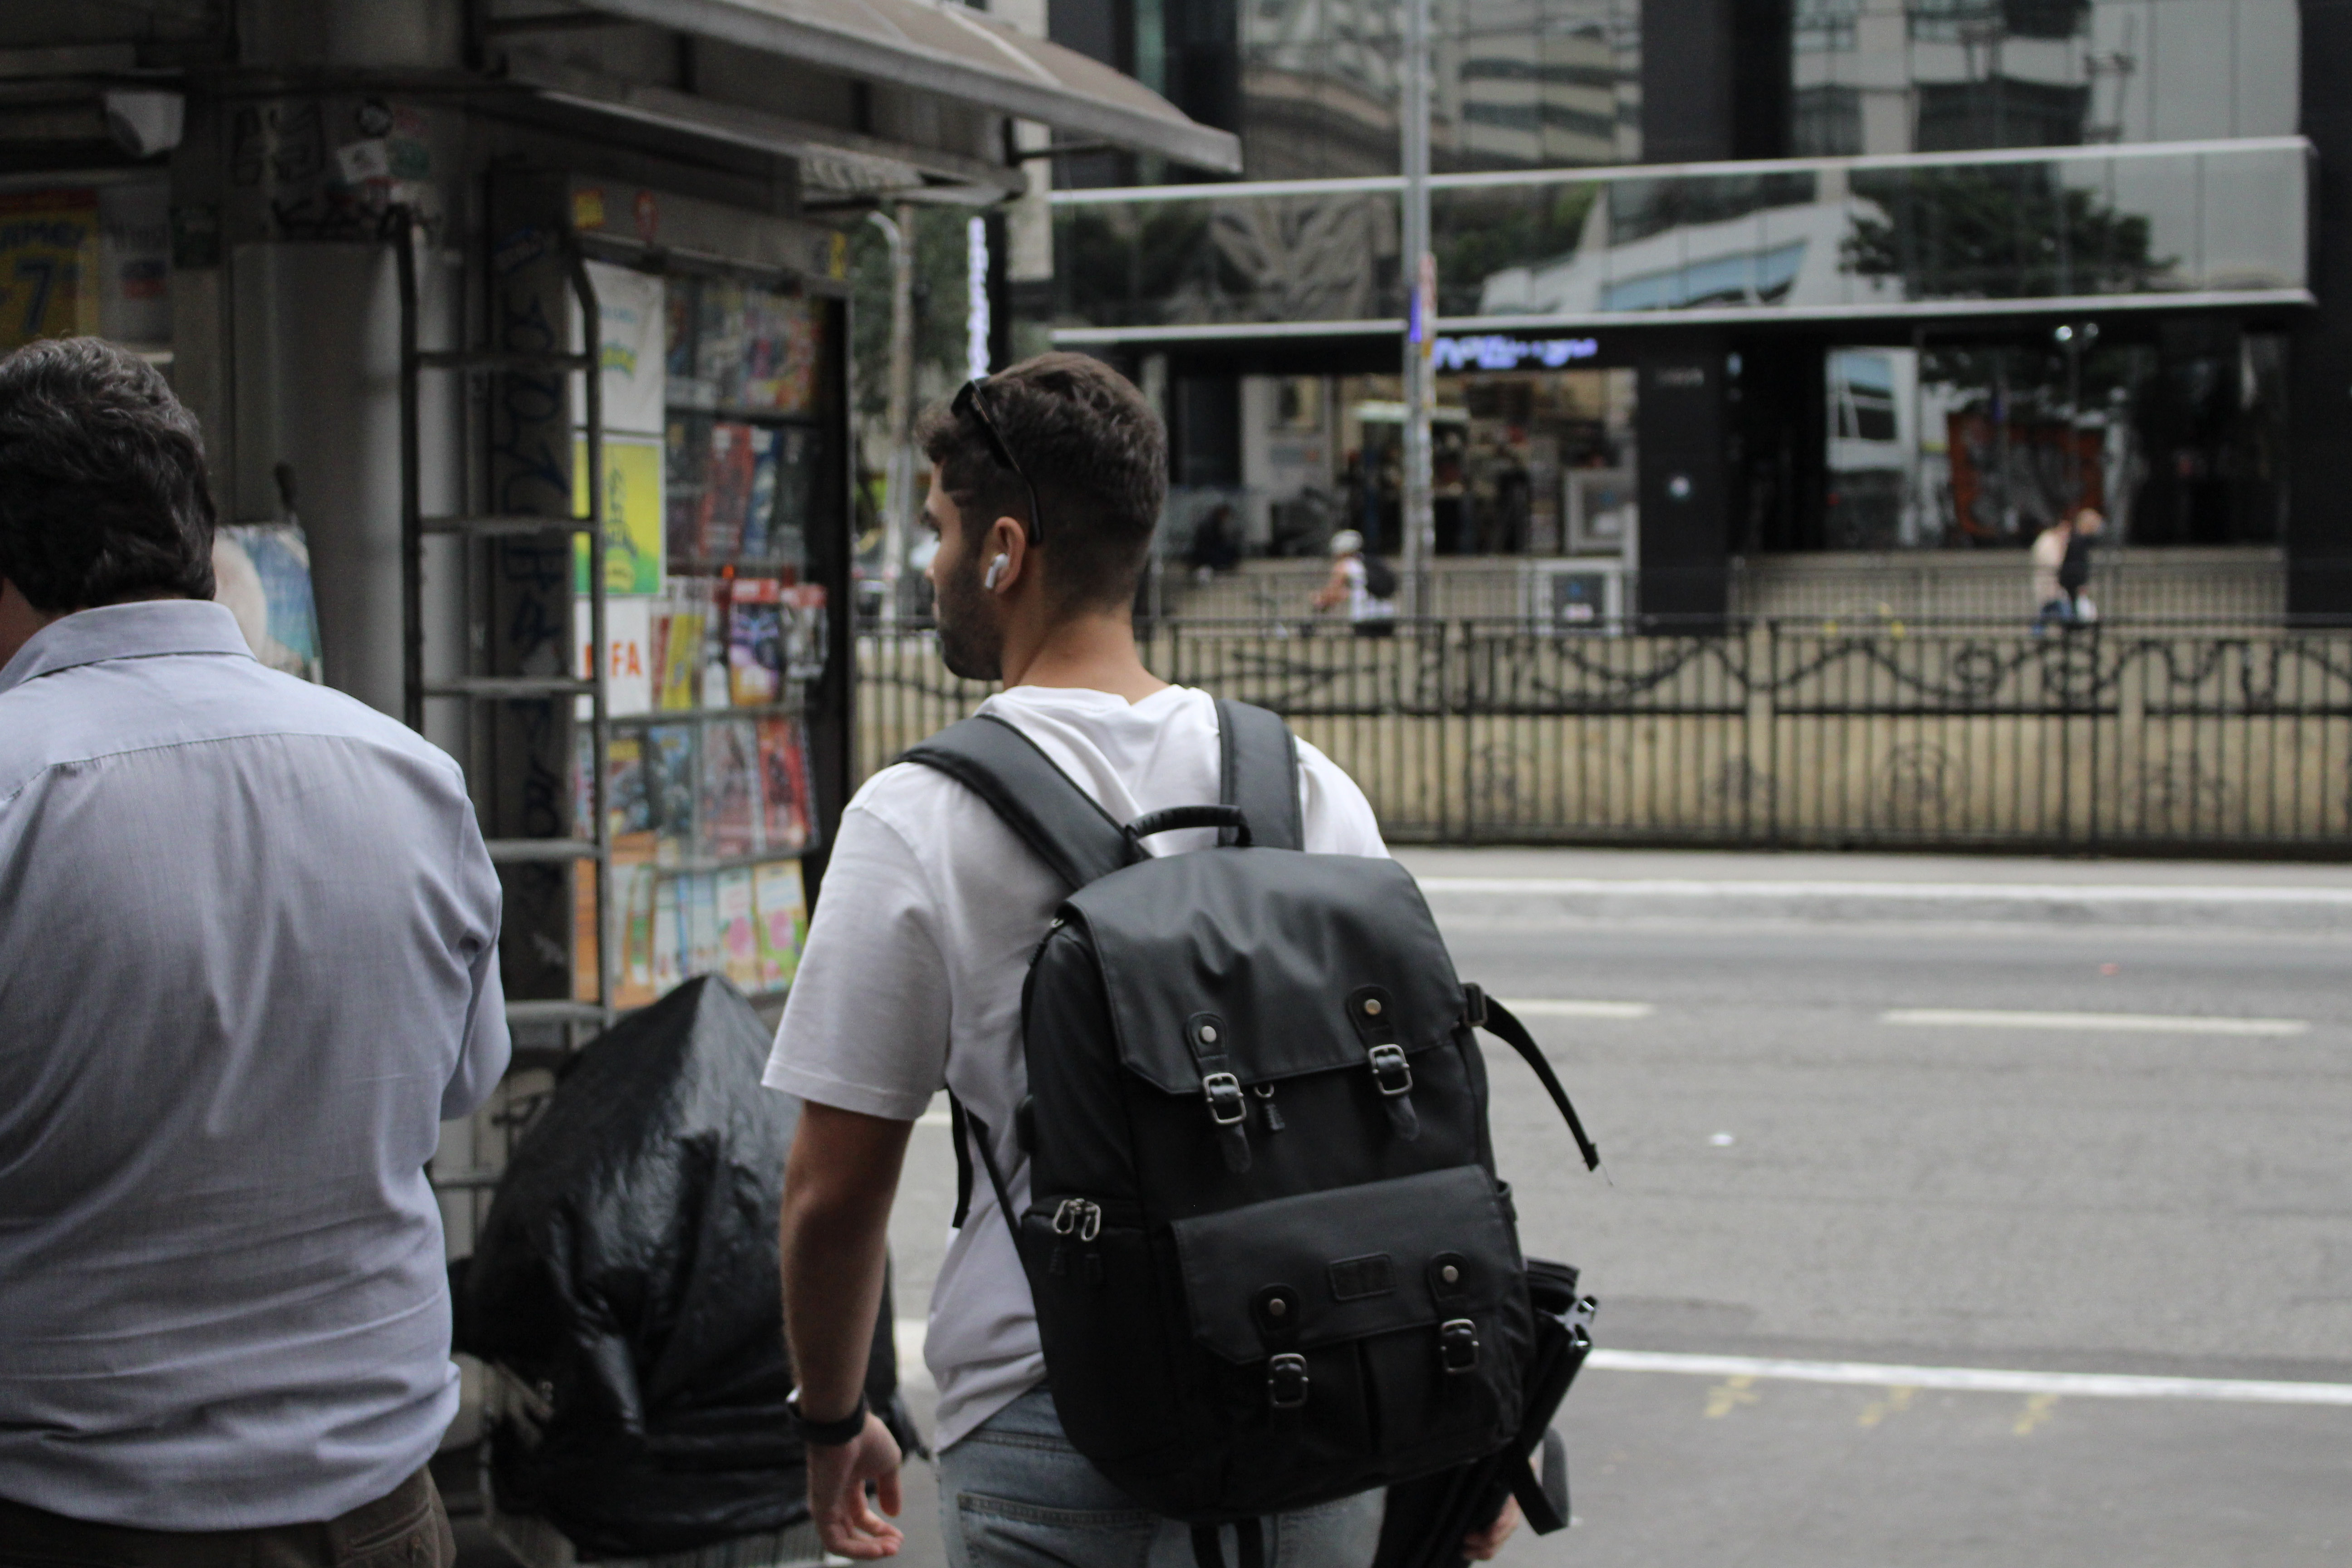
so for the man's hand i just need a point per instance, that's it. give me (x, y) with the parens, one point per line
(837, 1478)
(1481, 1546)
(838, 1183)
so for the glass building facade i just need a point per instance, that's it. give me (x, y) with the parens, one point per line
(1947, 269)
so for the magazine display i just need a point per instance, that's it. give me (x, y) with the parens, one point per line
(706, 765)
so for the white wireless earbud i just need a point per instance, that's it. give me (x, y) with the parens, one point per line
(996, 569)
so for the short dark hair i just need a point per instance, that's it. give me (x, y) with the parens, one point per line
(102, 493)
(1095, 452)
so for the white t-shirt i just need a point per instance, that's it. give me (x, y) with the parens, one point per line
(922, 936)
(1362, 605)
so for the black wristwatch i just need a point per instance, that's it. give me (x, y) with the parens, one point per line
(826, 1434)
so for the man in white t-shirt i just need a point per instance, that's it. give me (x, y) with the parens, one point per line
(1351, 582)
(1047, 481)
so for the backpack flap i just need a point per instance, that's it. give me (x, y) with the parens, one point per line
(1283, 949)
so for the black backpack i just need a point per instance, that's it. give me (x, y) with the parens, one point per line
(1379, 577)
(1272, 1263)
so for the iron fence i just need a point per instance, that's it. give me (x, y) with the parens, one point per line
(1783, 732)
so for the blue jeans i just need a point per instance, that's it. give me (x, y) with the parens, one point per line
(1014, 1494)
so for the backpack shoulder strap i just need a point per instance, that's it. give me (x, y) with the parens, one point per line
(1069, 831)
(1259, 771)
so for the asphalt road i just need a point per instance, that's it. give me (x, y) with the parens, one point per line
(1846, 1174)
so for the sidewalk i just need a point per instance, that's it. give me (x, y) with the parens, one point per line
(1650, 884)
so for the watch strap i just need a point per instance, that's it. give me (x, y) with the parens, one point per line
(827, 1434)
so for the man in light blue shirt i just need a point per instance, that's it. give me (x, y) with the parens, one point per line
(248, 964)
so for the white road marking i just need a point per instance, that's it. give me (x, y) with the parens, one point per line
(913, 1374)
(1979, 1379)
(2014, 892)
(1556, 1007)
(2125, 1023)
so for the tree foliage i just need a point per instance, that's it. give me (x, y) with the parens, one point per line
(2002, 232)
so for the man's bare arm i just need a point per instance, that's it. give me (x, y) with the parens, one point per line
(838, 1186)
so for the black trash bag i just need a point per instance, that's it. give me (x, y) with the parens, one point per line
(626, 1277)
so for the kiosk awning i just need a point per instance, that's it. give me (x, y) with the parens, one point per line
(957, 53)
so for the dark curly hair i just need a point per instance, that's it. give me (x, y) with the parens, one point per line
(1095, 452)
(102, 493)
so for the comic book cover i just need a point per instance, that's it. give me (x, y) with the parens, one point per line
(780, 334)
(730, 789)
(677, 650)
(765, 450)
(628, 806)
(804, 631)
(755, 656)
(727, 492)
(739, 942)
(797, 458)
(781, 912)
(784, 815)
(585, 941)
(719, 339)
(713, 595)
(633, 925)
(669, 790)
(686, 471)
(682, 304)
(669, 955)
(699, 913)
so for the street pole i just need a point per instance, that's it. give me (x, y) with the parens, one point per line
(1420, 278)
(899, 480)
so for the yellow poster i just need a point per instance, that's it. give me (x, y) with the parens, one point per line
(49, 265)
(632, 513)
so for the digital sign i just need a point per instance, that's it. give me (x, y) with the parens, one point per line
(1496, 352)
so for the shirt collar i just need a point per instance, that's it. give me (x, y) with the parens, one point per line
(148, 629)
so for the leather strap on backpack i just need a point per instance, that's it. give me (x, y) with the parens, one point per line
(1481, 1011)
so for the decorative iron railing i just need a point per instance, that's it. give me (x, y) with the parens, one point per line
(1796, 734)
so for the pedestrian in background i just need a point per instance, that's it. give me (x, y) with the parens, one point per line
(1362, 581)
(2052, 605)
(2074, 569)
(250, 939)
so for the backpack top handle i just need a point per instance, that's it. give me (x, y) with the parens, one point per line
(1230, 818)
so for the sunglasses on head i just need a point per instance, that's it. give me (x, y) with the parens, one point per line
(969, 400)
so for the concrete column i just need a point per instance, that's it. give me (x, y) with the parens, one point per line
(2319, 396)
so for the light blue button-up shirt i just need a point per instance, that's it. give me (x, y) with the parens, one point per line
(248, 964)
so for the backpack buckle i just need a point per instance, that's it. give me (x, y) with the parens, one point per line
(1286, 1381)
(1474, 1004)
(1389, 1071)
(1227, 1107)
(1457, 1346)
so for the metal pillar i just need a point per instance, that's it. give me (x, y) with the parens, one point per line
(1420, 279)
(899, 484)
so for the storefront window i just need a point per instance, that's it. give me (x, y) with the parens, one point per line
(2175, 435)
